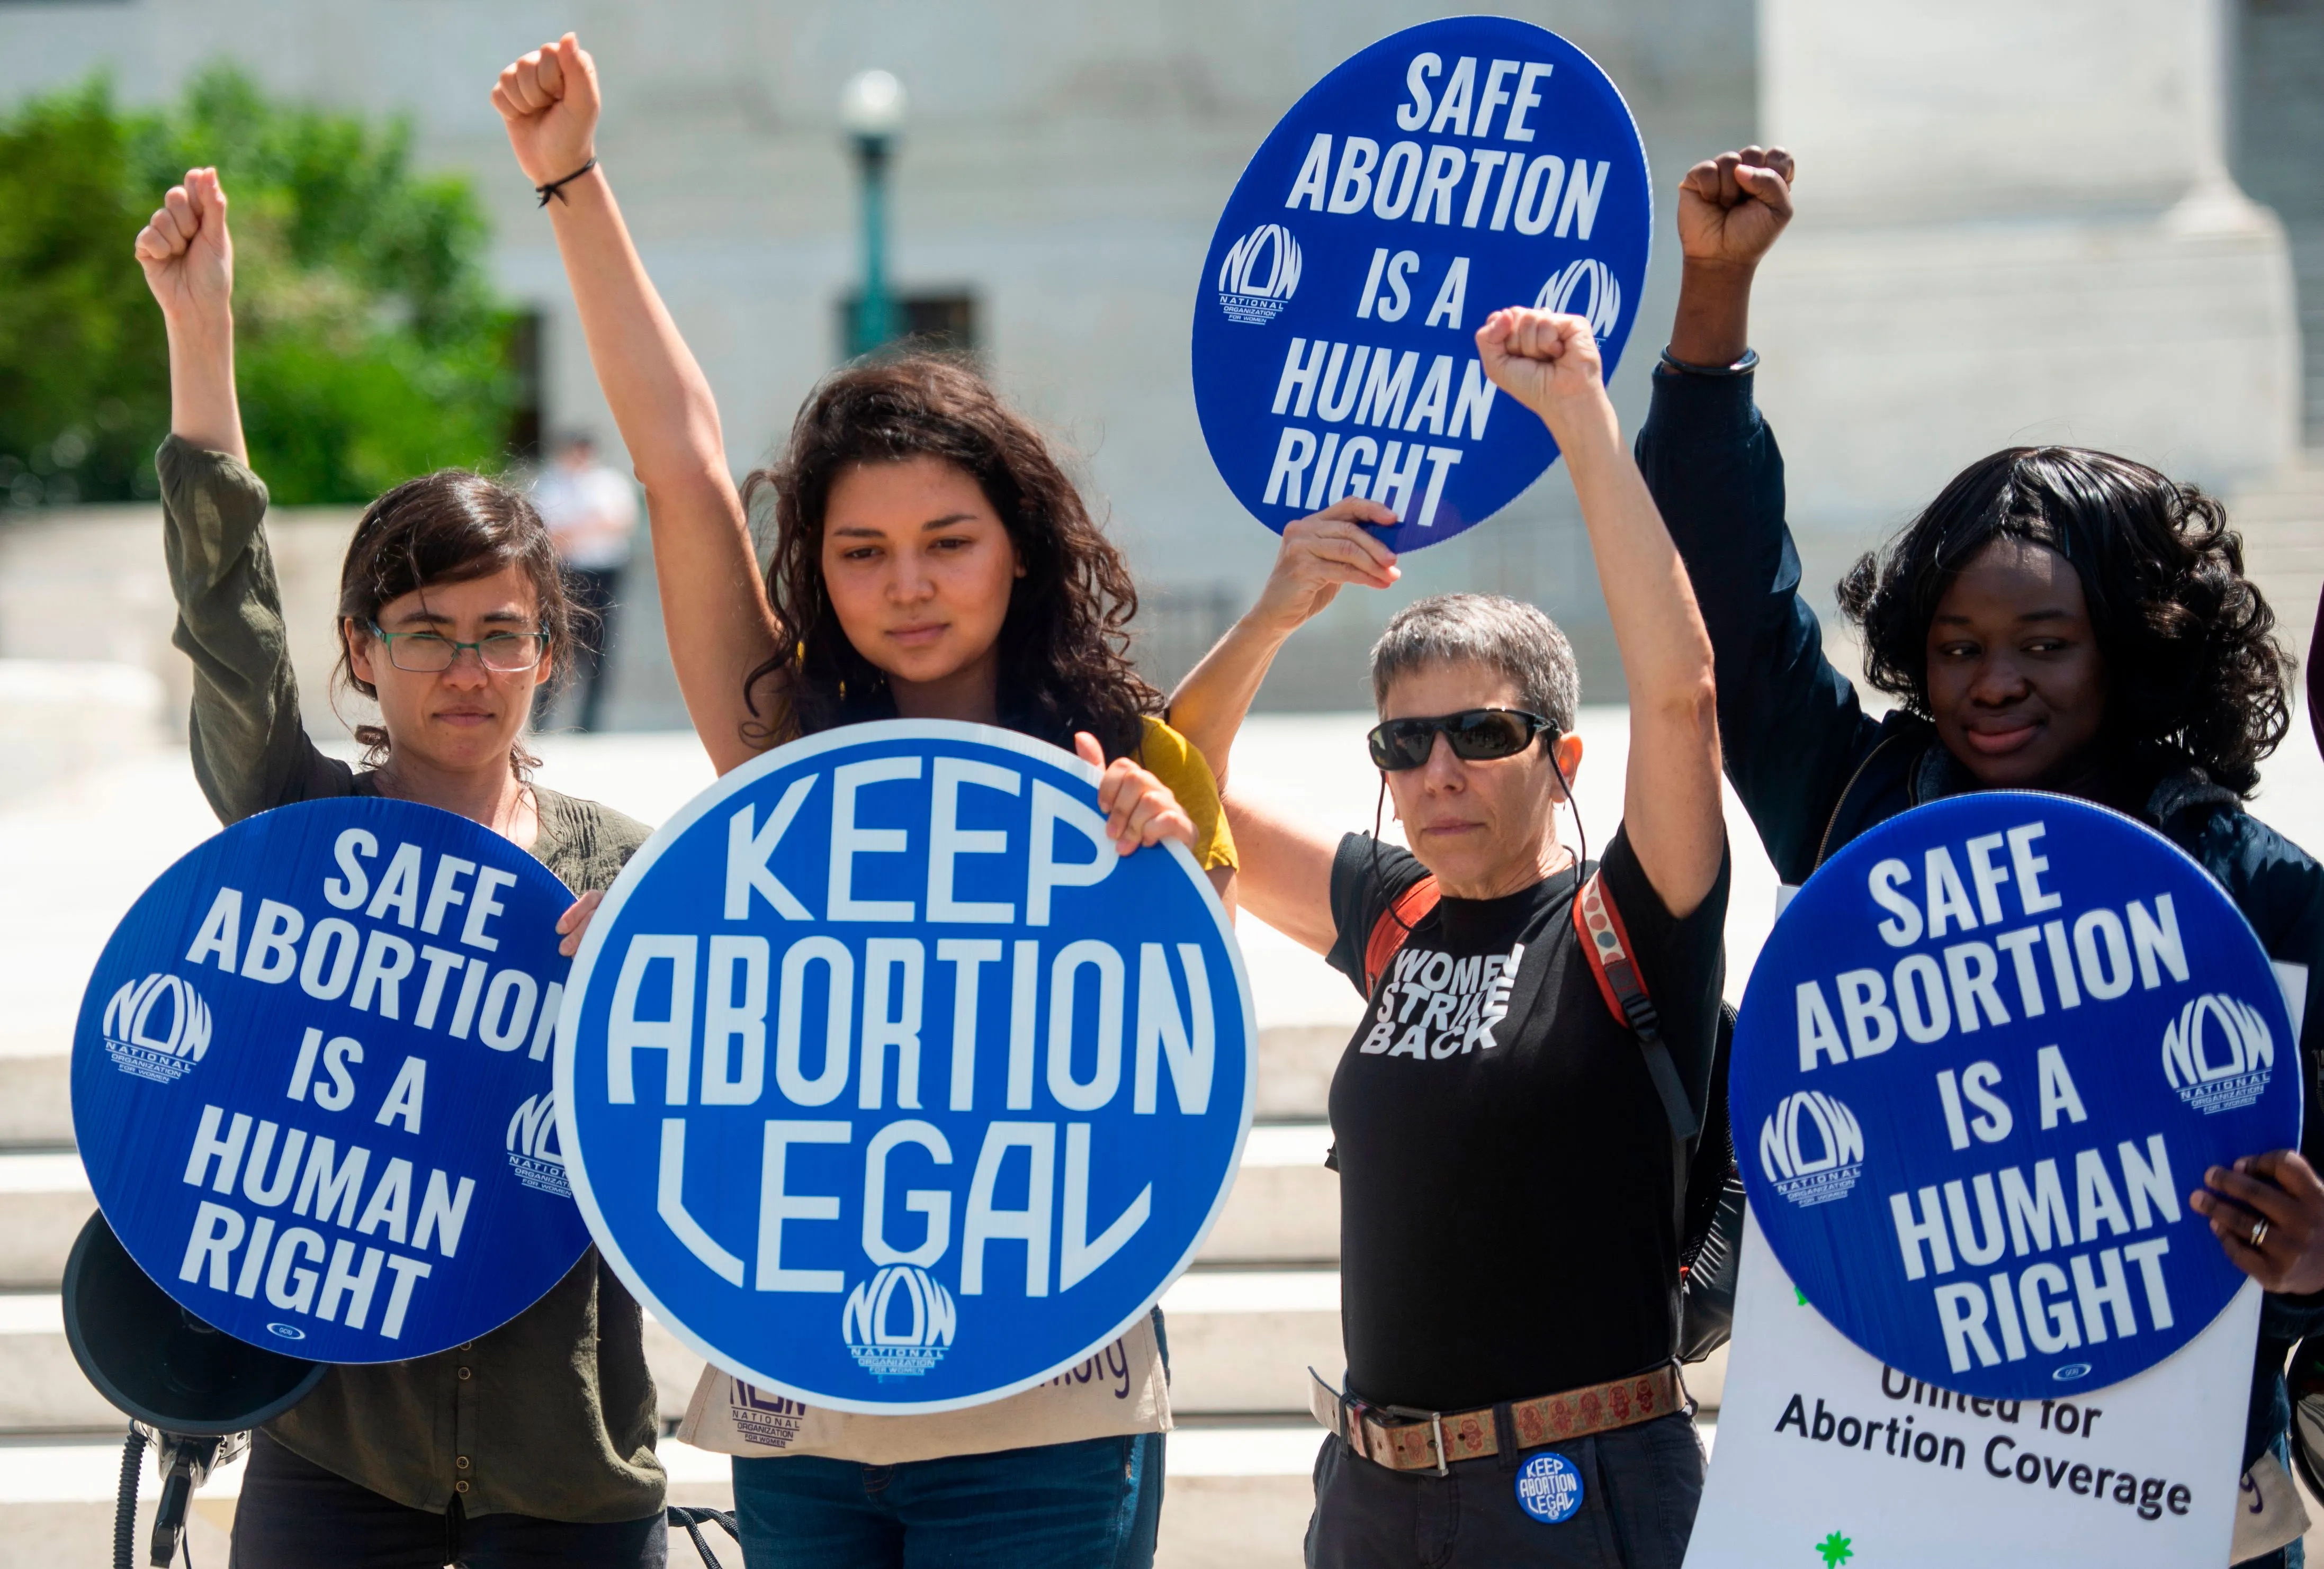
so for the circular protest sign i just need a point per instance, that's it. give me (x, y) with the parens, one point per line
(1987, 1052)
(310, 1081)
(889, 1085)
(1446, 171)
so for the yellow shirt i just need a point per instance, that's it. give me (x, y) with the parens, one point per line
(1170, 757)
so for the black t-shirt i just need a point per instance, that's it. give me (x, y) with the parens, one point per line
(1505, 1209)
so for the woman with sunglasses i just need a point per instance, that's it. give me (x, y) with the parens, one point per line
(1508, 1239)
(533, 1444)
(2057, 619)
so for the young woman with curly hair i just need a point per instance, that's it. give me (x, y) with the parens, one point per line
(2058, 619)
(932, 561)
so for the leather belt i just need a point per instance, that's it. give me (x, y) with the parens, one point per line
(1391, 1436)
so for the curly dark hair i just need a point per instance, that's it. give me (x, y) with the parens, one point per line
(2189, 642)
(452, 526)
(1065, 661)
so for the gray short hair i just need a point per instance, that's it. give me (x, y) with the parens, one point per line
(1504, 635)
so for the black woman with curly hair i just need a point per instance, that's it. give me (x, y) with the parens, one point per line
(932, 560)
(2058, 619)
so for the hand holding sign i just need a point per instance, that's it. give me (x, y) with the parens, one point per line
(1321, 554)
(2276, 1198)
(1139, 809)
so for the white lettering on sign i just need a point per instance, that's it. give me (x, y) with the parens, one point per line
(710, 1004)
(2001, 1316)
(258, 1163)
(333, 960)
(1964, 986)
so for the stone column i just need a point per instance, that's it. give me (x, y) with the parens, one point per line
(2016, 226)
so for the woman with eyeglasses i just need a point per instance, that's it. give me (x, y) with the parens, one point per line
(1508, 1253)
(533, 1444)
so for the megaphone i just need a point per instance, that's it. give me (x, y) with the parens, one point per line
(159, 1362)
(192, 1390)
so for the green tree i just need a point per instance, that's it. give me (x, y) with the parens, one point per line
(369, 345)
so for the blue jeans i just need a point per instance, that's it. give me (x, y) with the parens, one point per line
(1094, 1504)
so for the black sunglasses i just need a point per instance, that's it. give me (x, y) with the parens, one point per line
(1476, 735)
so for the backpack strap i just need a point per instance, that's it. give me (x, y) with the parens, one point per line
(1607, 945)
(1396, 922)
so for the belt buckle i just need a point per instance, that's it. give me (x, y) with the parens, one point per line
(1435, 1420)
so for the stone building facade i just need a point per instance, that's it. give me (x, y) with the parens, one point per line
(2089, 220)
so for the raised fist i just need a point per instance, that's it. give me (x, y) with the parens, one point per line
(1548, 362)
(187, 252)
(1731, 207)
(548, 101)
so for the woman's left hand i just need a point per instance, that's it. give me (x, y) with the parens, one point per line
(1140, 808)
(2278, 1196)
(574, 922)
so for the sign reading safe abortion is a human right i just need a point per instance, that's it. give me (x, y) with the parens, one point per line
(1447, 170)
(310, 1081)
(1987, 1053)
(888, 1084)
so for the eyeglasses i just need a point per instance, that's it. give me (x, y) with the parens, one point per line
(1476, 735)
(432, 654)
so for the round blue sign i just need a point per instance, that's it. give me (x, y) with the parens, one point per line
(312, 1081)
(1987, 1052)
(1549, 1488)
(1444, 172)
(890, 1086)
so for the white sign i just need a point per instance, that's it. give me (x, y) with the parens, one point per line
(1824, 1453)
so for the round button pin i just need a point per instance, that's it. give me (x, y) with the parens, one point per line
(1549, 1488)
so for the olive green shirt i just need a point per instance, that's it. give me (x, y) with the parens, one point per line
(553, 1413)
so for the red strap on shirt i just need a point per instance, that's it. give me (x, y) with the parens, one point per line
(1605, 942)
(1395, 924)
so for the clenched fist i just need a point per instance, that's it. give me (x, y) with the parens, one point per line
(1731, 207)
(1548, 362)
(187, 253)
(548, 101)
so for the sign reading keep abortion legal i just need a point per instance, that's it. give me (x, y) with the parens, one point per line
(312, 1081)
(888, 1084)
(1988, 1050)
(1447, 171)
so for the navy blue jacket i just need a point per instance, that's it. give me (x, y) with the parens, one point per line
(1813, 770)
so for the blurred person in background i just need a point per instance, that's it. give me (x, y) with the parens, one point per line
(592, 513)
(2058, 619)
(533, 1445)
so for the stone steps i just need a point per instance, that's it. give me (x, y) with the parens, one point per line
(1240, 1337)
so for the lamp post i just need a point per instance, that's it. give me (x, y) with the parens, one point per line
(871, 109)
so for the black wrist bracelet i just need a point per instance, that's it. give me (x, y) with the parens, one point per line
(555, 188)
(1742, 367)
